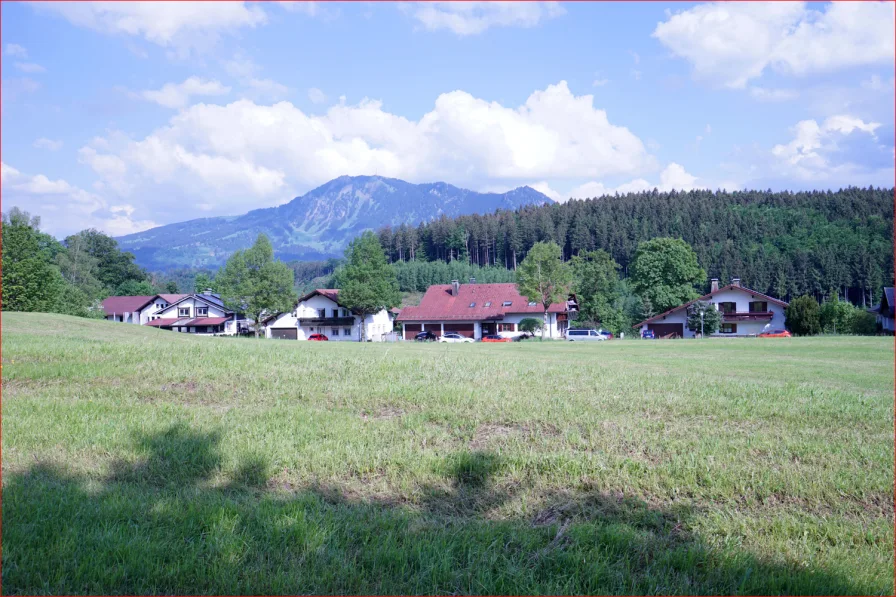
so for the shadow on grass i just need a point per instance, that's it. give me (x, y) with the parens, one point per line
(158, 527)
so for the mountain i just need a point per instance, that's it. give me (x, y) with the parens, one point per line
(316, 225)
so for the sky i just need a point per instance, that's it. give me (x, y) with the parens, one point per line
(122, 116)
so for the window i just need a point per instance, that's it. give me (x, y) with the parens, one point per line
(728, 328)
(183, 311)
(201, 311)
(347, 332)
(192, 330)
(506, 303)
(334, 331)
(506, 327)
(321, 313)
(729, 307)
(532, 303)
(472, 304)
(488, 304)
(758, 307)
(335, 312)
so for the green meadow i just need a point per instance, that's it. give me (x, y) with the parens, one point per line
(141, 461)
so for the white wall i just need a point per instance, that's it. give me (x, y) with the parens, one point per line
(742, 299)
(377, 324)
(172, 310)
(550, 332)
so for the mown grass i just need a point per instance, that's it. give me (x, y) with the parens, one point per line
(143, 461)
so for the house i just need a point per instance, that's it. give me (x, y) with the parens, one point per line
(885, 310)
(137, 309)
(201, 313)
(476, 310)
(320, 312)
(745, 312)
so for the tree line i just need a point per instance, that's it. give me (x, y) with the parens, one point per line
(784, 244)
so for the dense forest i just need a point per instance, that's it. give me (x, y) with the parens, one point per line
(784, 244)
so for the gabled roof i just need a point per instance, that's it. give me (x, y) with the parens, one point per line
(330, 293)
(173, 298)
(887, 301)
(126, 304)
(710, 295)
(202, 297)
(438, 304)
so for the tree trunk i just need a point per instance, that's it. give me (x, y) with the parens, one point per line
(544, 324)
(361, 327)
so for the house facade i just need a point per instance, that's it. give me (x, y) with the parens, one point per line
(745, 312)
(320, 312)
(884, 312)
(476, 310)
(202, 313)
(137, 309)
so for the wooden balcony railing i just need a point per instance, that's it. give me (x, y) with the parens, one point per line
(325, 321)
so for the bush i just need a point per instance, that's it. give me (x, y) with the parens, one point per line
(802, 316)
(863, 323)
(835, 316)
(530, 325)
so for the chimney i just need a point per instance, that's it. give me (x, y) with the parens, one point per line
(713, 284)
(472, 280)
(735, 282)
(208, 291)
(455, 287)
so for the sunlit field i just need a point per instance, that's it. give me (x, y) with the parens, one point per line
(143, 461)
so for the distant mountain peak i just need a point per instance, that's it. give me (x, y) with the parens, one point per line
(318, 224)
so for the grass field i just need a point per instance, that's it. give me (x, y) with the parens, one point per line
(143, 461)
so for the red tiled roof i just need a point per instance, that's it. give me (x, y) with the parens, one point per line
(186, 321)
(710, 295)
(126, 304)
(439, 305)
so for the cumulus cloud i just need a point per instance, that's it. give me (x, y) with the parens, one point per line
(317, 96)
(673, 177)
(242, 151)
(48, 144)
(806, 152)
(471, 18)
(63, 207)
(773, 95)
(178, 95)
(181, 26)
(731, 43)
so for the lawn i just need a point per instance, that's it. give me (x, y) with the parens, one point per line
(144, 461)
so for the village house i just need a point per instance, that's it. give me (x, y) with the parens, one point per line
(476, 310)
(320, 312)
(745, 312)
(884, 312)
(200, 313)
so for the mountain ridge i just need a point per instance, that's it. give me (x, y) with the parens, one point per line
(318, 224)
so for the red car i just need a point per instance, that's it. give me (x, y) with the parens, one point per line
(495, 338)
(775, 334)
(318, 337)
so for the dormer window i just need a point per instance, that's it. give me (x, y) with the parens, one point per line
(472, 305)
(506, 303)
(532, 303)
(488, 304)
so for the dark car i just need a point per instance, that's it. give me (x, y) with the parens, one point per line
(318, 338)
(425, 337)
(647, 334)
(521, 337)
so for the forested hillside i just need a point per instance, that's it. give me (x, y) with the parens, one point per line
(785, 244)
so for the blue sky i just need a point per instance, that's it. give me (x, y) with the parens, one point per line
(122, 116)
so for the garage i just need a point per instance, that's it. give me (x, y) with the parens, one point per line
(667, 330)
(284, 333)
(411, 330)
(464, 329)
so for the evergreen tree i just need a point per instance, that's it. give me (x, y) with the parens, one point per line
(802, 316)
(709, 322)
(366, 283)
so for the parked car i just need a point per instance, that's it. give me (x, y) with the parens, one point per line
(647, 335)
(775, 334)
(521, 337)
(579, 335)
(318, 338)
(495, 338)
(453, 337)
(426, 336)
(607, 335)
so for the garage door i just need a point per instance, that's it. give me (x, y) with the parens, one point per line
(667, 330)
(464, 329)
(411, 330)
(285, 333)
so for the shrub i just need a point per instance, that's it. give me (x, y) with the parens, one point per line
(863, 323)
(802, 316)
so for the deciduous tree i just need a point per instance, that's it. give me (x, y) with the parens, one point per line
(367, 284)
(544, 277)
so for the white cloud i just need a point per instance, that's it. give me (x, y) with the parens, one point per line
(673, 176)
(471, 18)
(316, 95)
(183, 26)
(311, 9)
(600, 82)
(731, 43)
(177, 95)
(65, 208)
(30, 67)
(808, 155)
(773, 95)
(876, 83)
(16, 50)
(243, 150)
(246, 71)
(49, 144)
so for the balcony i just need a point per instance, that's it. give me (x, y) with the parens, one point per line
(327, 321)
(747, 316)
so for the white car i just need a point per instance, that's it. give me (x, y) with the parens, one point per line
(584, 335)
(453, 337)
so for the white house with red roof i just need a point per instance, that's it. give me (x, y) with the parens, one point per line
(320, 312)
(745, 312)
(200, 313)
(476, 310)
(137, 309)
